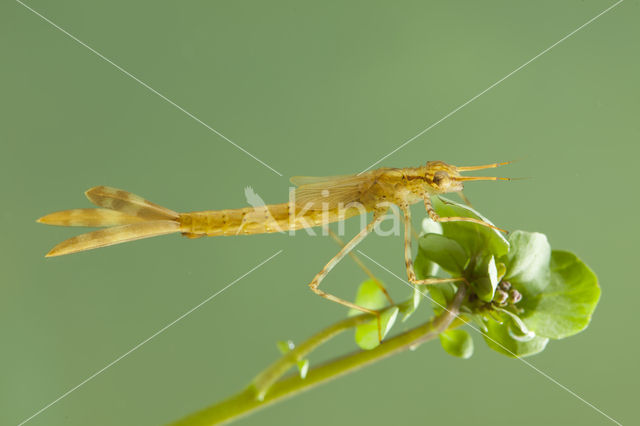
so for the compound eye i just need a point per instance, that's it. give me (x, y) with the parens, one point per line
(438, 177)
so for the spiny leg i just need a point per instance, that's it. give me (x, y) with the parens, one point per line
(313, 285)
(362, 266)
(434, 216)
(414, 234)
(411, 274)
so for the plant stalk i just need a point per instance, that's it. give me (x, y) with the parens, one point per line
(248, 401)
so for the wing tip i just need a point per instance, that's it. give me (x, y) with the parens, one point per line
(93, 190)
(59, 250)
(47, 219)
(54, 252)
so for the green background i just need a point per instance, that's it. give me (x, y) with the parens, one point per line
(312, 88)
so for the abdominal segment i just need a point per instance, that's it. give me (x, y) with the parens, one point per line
(259, 220)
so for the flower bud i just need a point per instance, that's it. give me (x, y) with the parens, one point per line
(500, 297)
(514, 296)
(505, 285)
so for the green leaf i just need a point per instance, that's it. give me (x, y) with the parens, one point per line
(445, 252)
(303, 367)
(567, 303)
(500, 338)
(473, 237)
(423, 266)
(285, 346)
(369, 296)
(408, 307)
(430, 226)
(528, 262)
(517, 328)
(457, 343)
(367, 334)
(479, 322)
(502, 270)
(440, 296)
(485, 279)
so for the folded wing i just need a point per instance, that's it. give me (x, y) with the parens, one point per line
(332, 191)
(128, 203)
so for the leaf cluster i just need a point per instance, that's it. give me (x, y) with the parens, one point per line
(521, 292)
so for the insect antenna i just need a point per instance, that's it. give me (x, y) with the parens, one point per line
(484, 166)
(468, 178)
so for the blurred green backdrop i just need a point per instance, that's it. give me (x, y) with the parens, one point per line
(314, 88)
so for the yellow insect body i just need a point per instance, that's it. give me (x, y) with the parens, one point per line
(318, 201)
(260, 220)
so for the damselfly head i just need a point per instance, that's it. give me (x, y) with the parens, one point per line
(441, 177)
(444, 178)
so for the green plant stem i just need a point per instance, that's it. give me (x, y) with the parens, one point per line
(247, 401)
(268, 377)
